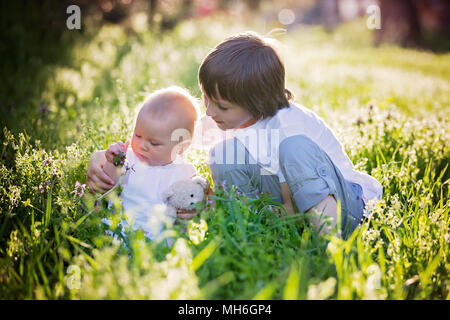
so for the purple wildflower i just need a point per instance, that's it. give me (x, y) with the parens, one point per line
(56, 173)
(119, 159)
(79, 189)
(224, 183)
(43, 109)
(44, 186)
(47, 161)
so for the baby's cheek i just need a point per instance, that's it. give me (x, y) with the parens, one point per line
(133, 143)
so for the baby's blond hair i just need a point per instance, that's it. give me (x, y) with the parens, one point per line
(170, 100)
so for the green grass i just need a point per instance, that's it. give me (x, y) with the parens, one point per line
(389, 107)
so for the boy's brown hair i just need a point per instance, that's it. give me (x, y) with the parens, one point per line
(246, 70)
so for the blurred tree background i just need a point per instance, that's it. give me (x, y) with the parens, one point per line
(34, 35)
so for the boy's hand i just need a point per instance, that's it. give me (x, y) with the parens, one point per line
(97, 179)
(114, 149)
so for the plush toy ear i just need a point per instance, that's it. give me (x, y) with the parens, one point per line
(201, 181)
(167, 194)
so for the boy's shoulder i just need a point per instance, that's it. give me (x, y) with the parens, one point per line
(296, 113)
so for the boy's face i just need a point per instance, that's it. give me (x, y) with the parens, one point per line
(228, 115)
(151, 140)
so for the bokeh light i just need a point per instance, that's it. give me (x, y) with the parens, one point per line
(286, 16)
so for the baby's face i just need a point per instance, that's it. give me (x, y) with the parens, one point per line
(152, 141)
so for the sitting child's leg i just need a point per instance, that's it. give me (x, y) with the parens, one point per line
(314, 181)
(230, 165)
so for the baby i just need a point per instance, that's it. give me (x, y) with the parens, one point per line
(162, 133)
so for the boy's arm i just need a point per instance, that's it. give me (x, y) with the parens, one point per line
(286, 195)
(327, 208)
(102, 174)
(112, 171)
(97, 179)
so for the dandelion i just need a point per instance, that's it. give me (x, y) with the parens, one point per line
(79, 189)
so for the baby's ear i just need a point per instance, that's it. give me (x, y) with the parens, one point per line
(201, 181)
(184, 146)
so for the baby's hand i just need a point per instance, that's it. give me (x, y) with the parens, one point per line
(115, 149)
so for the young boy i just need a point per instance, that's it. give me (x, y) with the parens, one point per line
(276, 146)
(155, 158)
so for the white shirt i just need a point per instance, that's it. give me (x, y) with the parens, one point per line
(143, 188)
(263, 138)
